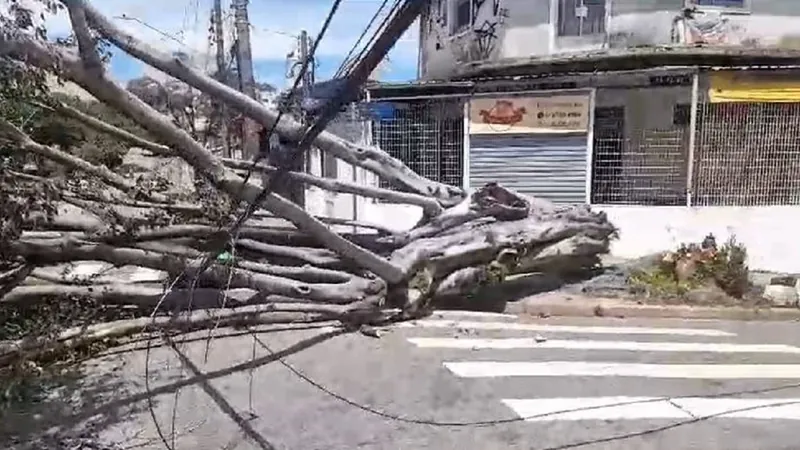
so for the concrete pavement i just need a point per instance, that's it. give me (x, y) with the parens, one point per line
(570, 305)
(465, 382)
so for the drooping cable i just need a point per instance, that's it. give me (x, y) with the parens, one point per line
(344, 63)
(352, 62)
(283, 168)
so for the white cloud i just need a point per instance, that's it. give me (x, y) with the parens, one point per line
(183, 25)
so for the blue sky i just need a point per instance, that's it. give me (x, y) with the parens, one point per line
(182, 25)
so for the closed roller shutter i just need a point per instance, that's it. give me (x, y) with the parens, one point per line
(550, 167)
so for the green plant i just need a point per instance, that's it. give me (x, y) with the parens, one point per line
(658, 282)
(692, 266)
(728, 268)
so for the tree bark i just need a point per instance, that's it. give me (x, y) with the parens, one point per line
(106, 90)
(428, 204)
(111, 331)
(104, 127)
(48, 252)
(73, 162)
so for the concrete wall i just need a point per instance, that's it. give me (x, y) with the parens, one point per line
(525, 28)
(347, 206)
(767, 231)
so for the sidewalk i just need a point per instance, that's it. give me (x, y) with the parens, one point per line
(569, 305)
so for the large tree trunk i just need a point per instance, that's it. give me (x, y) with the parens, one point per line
(295, 266)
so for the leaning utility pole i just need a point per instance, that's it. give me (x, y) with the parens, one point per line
(247, 82)
(296, 190)
(308, 77)
(222, 76)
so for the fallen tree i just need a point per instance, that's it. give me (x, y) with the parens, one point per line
(295, 265)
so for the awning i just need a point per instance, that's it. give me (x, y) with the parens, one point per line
(726, 87)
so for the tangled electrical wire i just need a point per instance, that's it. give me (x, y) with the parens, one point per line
(230, 235)
(420, 421)
(495, 422)
(346, 61)
(278, 177)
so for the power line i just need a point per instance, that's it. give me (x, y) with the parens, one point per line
(283, 168)
(298, 79)
(358, 41)
(483, 423)
(655, 430)
(147, 25)
(395, 7)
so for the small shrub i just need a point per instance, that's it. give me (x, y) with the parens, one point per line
(728, 269)
(692, 266)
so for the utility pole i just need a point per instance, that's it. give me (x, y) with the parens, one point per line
(296, 191)
(308, 77)
(222, 76)
(247, 82)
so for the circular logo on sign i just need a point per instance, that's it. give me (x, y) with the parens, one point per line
(502, 116)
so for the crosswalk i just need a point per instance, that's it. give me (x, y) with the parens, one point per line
(499, 347)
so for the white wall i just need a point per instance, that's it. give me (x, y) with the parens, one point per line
(342, 206)
(767, 231)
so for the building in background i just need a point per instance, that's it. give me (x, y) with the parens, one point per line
(676, 117)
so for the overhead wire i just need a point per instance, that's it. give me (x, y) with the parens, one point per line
(232, 233)
(412, 420)
(348, 65)
(283, 168)
(205, 261)
(613, 438)
(492, 422)
(360, 37)
(675, 425)
(147, 25)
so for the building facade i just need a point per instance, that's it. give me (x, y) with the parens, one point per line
(678, 118)
(455, 34)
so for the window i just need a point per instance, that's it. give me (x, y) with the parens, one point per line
(581, 17)
(428, 136)
(462, 16)
(634, 165)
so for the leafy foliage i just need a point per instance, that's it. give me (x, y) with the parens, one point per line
(728, 269)
(693, 266)
(81, 140)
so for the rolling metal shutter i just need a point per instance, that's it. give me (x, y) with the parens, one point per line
(550, 167)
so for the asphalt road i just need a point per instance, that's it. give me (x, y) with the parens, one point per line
(582, 383)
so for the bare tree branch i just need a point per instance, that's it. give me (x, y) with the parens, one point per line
(104, 127)
(428, 204)
(24, 142)
(372, 159)
(202, 160)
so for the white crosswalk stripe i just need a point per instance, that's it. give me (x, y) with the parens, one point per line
(620, 408)
(512, 326)
(484, 369)
(534, 343)
(517, 357)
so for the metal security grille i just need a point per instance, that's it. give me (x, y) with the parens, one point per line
(350, 124)
(552, 167)
(644, 167)
(427, 136)
(747, 154)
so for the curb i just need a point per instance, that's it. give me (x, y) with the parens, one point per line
(593, 307)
